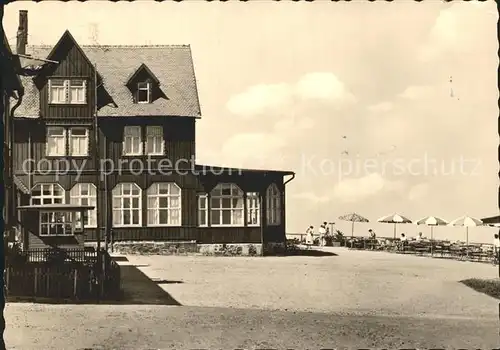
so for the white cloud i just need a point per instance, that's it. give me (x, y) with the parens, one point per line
(352, 190)
(293, 125)
(325, 86)
(260, 99)
(380, 107)
(263, 99)
(416, 92)
(418, 191)
(457, 28)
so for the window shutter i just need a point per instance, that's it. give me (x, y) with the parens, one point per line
(85, 91)
(66, 90)
(49, 92)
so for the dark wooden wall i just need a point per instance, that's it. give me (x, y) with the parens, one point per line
(178, 136)
(178, 133)
(72, 64)
(191, 185)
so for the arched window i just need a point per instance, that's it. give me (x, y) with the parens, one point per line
(273, 201)
(85, 194)
(164, 204)
(127, 205)
(227, 205)
(47, 194)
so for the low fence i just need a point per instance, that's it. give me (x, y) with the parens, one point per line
(74, 274)
(480, 252)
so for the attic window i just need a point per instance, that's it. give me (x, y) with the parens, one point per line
(144, 92)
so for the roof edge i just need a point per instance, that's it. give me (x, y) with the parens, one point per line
(229, 169)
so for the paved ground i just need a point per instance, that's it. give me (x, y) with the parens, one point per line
(355, 299)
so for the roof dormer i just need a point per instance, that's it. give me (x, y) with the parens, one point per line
(144, 85)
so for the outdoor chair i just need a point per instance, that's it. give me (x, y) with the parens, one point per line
(458, 251)
(421, 248)
(446, 251)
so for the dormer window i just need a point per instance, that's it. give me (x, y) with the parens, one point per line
(144, 85)
(144, 92)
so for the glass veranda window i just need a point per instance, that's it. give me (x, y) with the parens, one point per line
(127, 205)
(85, 194)
(253, 209)
(227, 205)
(164, 204)
(273, 201)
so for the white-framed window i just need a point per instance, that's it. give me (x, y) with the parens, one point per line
(78, 141)
(85, 194)
(154, 140)
(143, 92)
(58, 91)
(67, 91)
(56, 223)
(47, 193)
(273, 201)
(226, 205)
(132, 141)
(203, 210)
(253, 209)
(164, 204)
(78, 91)
(127, 205)
(51, 222)
(56, 141)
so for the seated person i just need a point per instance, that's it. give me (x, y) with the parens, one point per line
(403, 240)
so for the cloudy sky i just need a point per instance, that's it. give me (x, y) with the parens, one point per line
(378, 107)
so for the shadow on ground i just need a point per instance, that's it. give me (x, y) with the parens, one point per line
(308, 252)
(489, 287)
(137, 289)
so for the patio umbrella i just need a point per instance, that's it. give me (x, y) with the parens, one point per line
(394, 219)
(353, 217)
(466, 221)
(431, 221)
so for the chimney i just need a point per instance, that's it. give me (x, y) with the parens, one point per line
(22, 32)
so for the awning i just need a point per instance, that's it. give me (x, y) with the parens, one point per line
(491, 220)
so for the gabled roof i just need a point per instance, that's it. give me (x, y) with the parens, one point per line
(172, 66)
(141, 68)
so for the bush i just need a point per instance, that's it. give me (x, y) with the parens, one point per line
(252, 251)
(488, 287)
(14, 254)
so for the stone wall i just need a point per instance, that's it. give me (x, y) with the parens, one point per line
(192, 248)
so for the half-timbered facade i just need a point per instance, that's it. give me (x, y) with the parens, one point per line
(114, 127)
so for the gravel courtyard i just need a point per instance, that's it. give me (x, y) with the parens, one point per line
(354, 299)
